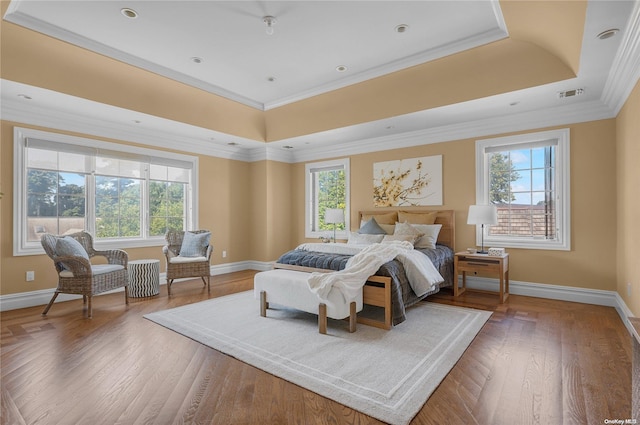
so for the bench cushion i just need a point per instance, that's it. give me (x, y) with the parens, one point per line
(289, 288)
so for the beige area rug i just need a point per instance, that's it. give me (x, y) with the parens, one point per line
(385, 374)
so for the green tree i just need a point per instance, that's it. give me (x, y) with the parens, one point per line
(331, 194)
(501, 174)
(166, 207)
(42, 187)
(117, 207)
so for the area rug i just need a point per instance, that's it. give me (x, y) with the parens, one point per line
(388, 375)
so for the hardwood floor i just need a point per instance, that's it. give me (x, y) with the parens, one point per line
(536, 361)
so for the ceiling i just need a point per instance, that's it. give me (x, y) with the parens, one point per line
(238, 60)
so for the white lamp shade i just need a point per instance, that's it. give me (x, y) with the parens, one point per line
(482, 214)
(333, 216)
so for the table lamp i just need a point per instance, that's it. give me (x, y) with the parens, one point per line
(482, 214)
(334, 216)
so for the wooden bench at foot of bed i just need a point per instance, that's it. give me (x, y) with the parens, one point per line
(376, 292)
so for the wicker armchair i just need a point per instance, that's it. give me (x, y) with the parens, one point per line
(180, 267)
(76, 274)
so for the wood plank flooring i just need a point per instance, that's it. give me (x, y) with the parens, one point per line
(536, 361)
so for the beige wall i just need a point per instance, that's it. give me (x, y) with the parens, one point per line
(256, 210)
(628, 202)
(225, 207)
(589, 264)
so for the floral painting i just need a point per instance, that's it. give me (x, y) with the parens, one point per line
(408, 182)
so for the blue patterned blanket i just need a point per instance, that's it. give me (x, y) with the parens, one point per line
(402, 295)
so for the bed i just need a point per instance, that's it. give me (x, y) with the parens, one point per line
(389, 288)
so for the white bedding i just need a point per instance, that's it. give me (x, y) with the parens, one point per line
(366, 260)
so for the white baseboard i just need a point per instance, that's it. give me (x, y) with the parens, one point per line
(42, 297)
(558, 292)
(539, 290)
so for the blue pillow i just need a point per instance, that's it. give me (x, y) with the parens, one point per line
(194, 244)
(372, 227)
(68, 246)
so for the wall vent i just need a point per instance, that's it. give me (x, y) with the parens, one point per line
(570, 93)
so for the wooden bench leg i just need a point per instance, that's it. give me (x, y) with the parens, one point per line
(352, 317)
(322, 318)
(263, 304)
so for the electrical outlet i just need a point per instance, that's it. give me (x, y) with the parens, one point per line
(224, 254)
(30, 276)
(628, 289)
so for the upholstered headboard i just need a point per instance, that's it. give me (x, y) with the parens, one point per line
(447, 218)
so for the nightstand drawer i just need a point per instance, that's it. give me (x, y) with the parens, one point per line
(479, 266)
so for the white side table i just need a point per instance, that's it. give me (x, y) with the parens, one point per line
(144, 278)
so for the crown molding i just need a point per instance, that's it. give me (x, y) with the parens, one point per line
(561, 115)
(625, 70)
(64, 121)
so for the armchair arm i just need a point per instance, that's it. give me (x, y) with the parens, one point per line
(168, 252)
(79, 266)
(208, 253)
(114, 256)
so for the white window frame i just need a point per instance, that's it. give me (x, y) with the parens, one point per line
(20, 136)
(310, 201)
(563, 192)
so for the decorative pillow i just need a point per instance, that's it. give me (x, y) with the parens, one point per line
(417, 218)
(356, 238)
(392, 238)
(194, 244)
(387, 218)
(407, 229)
(431, 232)
(68, 246)
(388, 228)
(371, 227)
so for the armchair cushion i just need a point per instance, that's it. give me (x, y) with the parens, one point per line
(181, 259)
(194, 244)
(96, 269)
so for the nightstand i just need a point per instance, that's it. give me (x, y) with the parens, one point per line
(481, 263)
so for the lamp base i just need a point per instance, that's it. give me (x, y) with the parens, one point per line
(482, 252)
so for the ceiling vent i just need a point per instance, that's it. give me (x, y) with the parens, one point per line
(570, 93)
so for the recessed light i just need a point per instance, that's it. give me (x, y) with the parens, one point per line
(402, 28)
(196, 59)
(271, 79)
(24, 96)
(287, 147)
(608, 33)
(232, 144)
(129, 13)
(137, 121)
(389, 127)
(514, 103)
(341, 68)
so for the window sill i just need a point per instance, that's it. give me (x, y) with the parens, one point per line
(35, 248)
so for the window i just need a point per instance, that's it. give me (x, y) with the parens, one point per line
(326, 186)
(124, 196)
(527, 178)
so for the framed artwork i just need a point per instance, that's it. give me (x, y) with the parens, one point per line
(408, 182)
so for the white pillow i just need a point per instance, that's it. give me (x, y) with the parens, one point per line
(356, 238)
(431, 232)
(408, 238)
